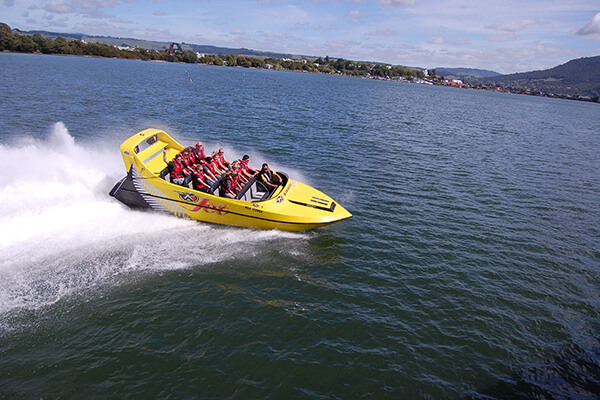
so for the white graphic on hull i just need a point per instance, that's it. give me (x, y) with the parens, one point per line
(154, 197)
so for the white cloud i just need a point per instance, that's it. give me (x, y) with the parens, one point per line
(382, 33)
(73, 6)
(59, 7)
(591, 30)
(454, 41)
(283, 36)
(356, 15)
(505, 37)
(513, 26)
(397, 3)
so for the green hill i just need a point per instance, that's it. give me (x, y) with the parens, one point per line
(464, 73)
(576, 78)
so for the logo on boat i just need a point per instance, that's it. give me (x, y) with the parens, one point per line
(279, 199)
(287, 190)
(211, 208)
(253, 209)
(186, 196)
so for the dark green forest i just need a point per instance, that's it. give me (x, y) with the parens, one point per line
(16, 41)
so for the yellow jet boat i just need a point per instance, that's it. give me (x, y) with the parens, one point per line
(292, 206)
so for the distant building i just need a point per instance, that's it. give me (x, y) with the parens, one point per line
(456, 82)
(128, 48)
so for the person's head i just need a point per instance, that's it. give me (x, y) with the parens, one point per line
(199, 168)
(246, 157)
(178, 157)
(221, 151)
(208, 159)
(265, 167)
(199, 145)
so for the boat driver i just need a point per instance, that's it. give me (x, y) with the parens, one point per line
(269, 177)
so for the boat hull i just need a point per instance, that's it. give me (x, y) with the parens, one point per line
(293, 206)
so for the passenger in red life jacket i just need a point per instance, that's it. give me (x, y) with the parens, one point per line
(198, 151)
(269, 177)
(235, 167)
(229, 186)
(189, 160)
(222, 160)
(245, 169)
(177, 170)
(209, 172)
(219, 168)
(199, 180)
(213, 170)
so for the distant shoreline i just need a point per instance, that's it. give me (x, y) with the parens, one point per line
(436, 82)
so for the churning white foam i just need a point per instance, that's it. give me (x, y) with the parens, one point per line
(61, 233)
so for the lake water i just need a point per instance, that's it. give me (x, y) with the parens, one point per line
(470, 270)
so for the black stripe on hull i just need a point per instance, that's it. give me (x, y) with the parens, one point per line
(126, 193)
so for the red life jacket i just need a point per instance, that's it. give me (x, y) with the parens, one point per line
(188, 161)
(211, 167)
(177, 171)
(244, 165)
(233, 182)
(199, 153)
(216, 166)
(199, 176)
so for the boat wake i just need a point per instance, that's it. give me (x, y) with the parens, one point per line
(63, 235)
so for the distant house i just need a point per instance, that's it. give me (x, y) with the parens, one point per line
(456, 82)
(128, 48)
(268, 66)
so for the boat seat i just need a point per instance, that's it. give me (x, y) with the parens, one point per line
(215, 188)
(253, 191)
(165, 174)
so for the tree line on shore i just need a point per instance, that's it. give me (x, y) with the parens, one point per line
(15, 41)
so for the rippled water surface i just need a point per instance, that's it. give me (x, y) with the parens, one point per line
(469, 270)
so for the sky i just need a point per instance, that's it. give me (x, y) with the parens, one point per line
(505, 36)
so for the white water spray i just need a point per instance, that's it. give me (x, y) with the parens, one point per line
(62, 234)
